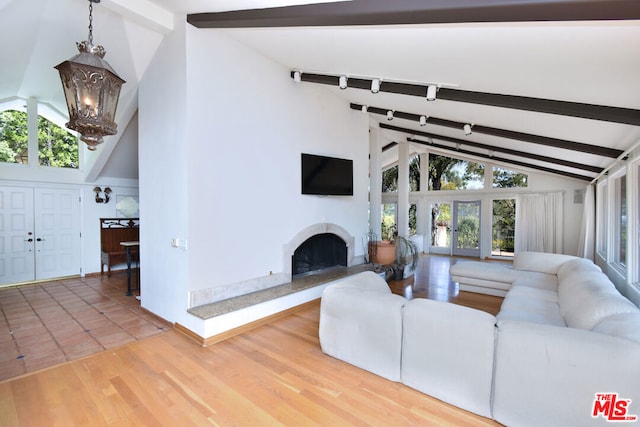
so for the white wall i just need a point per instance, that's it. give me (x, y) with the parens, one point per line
(163, 147)
(248, 123)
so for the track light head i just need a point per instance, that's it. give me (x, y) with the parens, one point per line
(423, 120)
(389, 115)
(467, 129)
(375, 85)
(432, 90)
(342, 82)
(297, 76)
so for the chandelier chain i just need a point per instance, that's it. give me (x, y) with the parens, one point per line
(90, 23)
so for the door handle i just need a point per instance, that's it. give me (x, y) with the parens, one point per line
(39, 240)
(29, 240)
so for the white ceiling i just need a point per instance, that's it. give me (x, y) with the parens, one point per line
(594, 62)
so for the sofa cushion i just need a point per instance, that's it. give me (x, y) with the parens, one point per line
(537, 280)
(624, 325)
(540, 261)
(576, 266)
(490, 271)
(584, 304)
(526, 304)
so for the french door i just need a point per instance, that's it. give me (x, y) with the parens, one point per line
(465, 235)
(40, 234)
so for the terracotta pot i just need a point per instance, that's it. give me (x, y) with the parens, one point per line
(384, 254)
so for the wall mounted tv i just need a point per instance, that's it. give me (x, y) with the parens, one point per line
(326, 176)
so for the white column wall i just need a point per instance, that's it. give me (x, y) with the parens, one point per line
(403, 189)
(163, 152)
(375, 182)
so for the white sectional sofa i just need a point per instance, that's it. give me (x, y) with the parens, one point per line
(563, 335)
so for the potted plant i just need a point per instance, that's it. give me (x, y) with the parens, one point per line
(380, 251)
(406, 255)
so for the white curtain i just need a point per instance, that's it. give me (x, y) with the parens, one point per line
(539, 220)
(587, 240)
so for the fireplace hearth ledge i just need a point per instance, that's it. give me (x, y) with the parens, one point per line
(211, 310)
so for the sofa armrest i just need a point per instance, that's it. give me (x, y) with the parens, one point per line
(363, 327)
(447, 352)
(549, 375)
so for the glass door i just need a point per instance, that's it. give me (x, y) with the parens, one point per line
(466, 228)
(440, 228)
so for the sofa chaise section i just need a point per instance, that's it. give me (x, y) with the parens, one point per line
(448, 353)
(361, 323)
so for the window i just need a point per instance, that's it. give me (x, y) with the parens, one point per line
(448, 173)
(388, 221)
(14, 138)
(602, 218)
(414, 173)
(620, 225)
(505, 178)
(57, 147)
(390, 180)
(503, 227)
(413, 221)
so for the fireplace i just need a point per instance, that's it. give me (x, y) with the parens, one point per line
(319, 252)
(344, 239)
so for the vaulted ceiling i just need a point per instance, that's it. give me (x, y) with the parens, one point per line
(548, 84)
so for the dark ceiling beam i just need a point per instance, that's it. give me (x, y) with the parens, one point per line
(503, 150)
(502, 160)
(385, 12)
(565, 108)
(535, 139)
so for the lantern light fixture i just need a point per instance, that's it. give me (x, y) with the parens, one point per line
(423, 120)
(91, 89)
(389, 115)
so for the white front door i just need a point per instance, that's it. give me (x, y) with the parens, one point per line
(40, 234)
(17, 239)
(57, 229)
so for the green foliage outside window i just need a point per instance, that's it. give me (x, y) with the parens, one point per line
(56, 146)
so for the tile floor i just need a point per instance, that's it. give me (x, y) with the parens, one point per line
(46, 324)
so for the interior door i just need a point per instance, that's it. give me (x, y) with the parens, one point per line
(17, 240)
(57, 233)
(466, 228)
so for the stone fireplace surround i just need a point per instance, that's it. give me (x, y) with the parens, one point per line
(219, 293)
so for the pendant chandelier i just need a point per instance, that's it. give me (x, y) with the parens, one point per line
(91, 89)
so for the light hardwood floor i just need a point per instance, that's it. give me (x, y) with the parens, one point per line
(273, 375)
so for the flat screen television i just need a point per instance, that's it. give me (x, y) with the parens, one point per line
(326, 176)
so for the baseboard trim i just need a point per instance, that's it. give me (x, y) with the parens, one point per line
(204, 342)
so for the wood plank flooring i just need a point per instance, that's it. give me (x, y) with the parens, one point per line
(273, 375)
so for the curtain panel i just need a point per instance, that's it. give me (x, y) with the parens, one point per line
(587, 239)
(539, 222)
